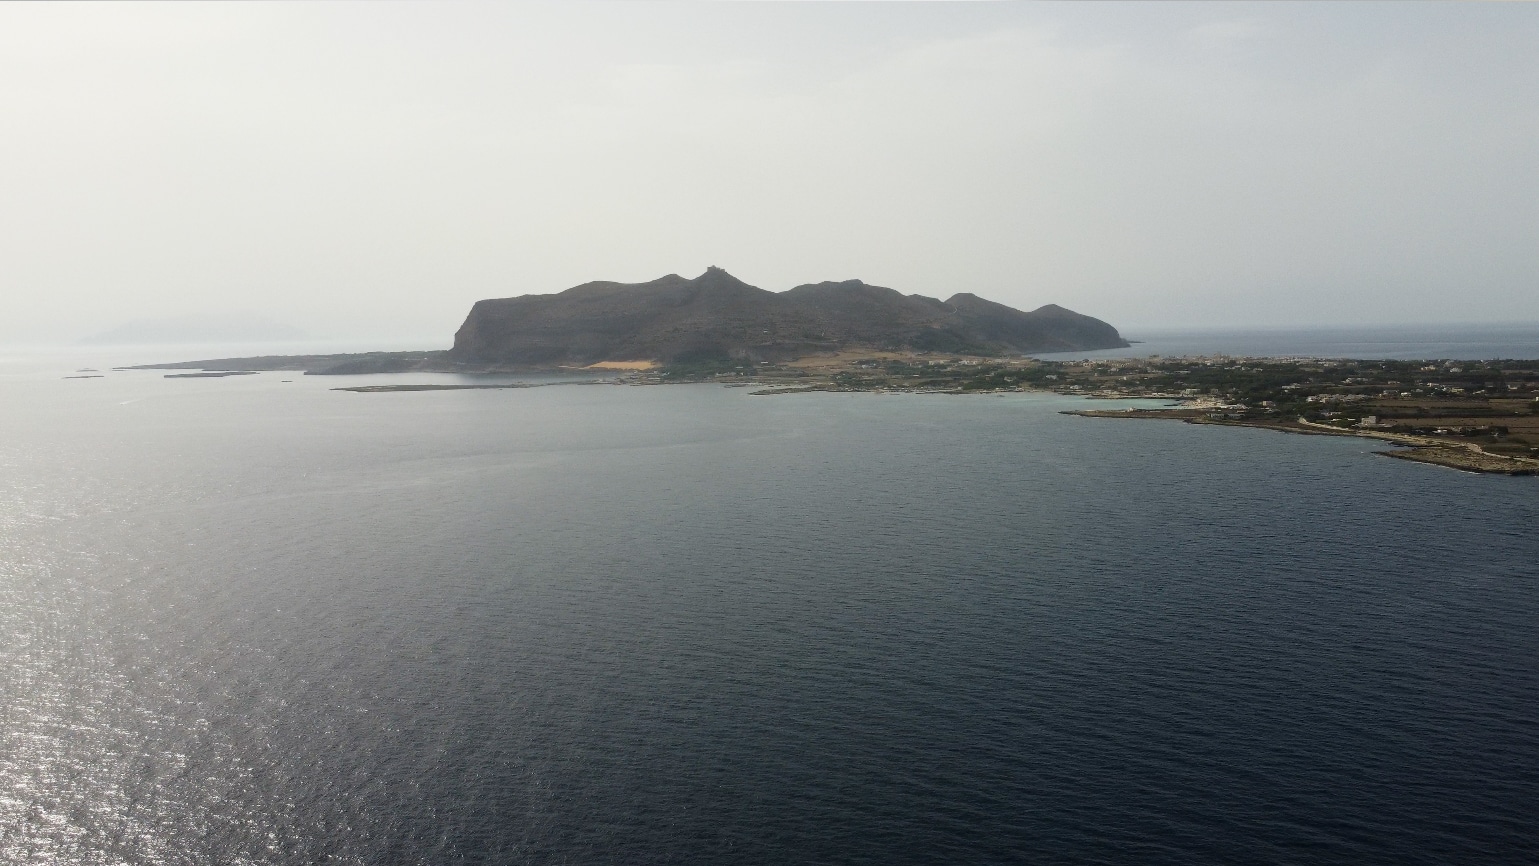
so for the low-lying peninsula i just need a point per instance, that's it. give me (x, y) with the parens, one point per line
(1480, 416)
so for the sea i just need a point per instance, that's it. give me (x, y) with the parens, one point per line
(1398, 342)
(255, 620)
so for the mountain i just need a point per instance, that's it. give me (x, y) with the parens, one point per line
(716, 315)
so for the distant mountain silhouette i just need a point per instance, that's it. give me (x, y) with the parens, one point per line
(716, 315)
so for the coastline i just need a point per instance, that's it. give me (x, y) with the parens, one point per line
(1469, 415)
(1467, 456)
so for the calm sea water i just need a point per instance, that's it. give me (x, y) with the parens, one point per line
(1467, 342)
(253, 621)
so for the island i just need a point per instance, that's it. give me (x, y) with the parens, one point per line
(714, 318)
(1480, 416)
(717, 317)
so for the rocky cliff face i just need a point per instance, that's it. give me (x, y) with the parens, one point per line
(718, 315)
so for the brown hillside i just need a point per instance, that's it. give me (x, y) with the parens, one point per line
(718, 315)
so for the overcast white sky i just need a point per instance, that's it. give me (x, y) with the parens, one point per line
(370, 170)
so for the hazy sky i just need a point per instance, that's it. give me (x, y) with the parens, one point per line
(369, 170)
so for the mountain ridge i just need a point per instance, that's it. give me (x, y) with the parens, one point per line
(717, 315)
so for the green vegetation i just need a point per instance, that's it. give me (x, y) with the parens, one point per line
(703, 368)
(1462, 400)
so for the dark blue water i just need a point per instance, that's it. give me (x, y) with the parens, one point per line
(249, 621)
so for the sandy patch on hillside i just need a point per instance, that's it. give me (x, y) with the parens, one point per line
(622, 365)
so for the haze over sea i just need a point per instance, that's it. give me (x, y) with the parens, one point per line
(1398, 342)
(256, 620)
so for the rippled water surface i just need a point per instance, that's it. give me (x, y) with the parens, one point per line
(254, 621)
